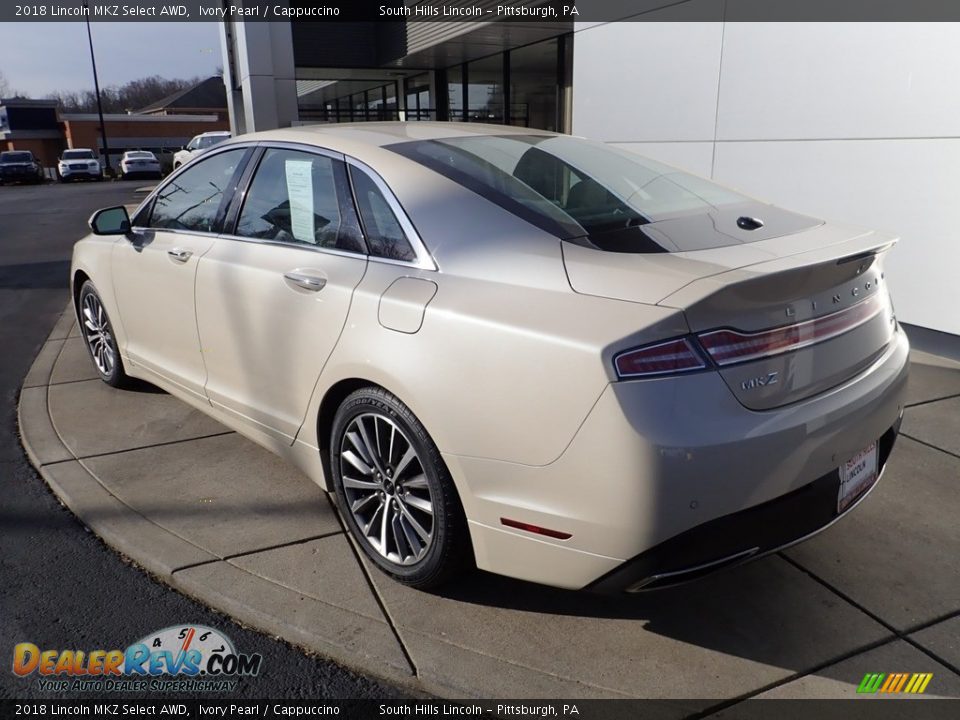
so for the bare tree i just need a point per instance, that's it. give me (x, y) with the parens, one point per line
(130, 96)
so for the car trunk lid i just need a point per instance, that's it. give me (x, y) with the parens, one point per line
(781, 319)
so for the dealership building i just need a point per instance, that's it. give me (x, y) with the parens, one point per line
(852, 122)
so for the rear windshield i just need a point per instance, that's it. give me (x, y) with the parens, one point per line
(572, 188)
(15, 157)
(78, 155)
(140, 155)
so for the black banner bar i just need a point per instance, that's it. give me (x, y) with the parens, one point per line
(533, 11)
(854, 709)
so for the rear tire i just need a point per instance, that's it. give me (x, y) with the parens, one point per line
(395, 492)
(99, 337)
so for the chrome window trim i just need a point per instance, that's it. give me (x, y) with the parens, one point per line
(139, 229)
(297, 246)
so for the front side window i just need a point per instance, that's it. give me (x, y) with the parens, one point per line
(191, 201)
(301, 198)
(385, 236)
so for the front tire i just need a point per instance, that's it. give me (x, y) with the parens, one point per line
(99, 337)
(395, 491)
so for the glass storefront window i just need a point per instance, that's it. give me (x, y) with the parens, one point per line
(455, 93)
(418, 97)
(485, 90)
(390, 99)
(535, 86)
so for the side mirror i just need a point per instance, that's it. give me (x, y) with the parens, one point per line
(110, 221)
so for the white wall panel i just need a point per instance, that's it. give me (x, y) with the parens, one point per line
(839, 80)
(906, 187)
(646, 81)
(856, 122)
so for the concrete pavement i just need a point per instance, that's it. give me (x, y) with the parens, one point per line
(216, 517)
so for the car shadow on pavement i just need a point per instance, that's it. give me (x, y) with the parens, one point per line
(137, 385)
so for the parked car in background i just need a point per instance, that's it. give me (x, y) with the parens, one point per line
(552, 356)
(19, 166)
(198, 145)
(140, 163)
(79, 163)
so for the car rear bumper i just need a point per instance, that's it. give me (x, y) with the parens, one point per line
(741, 536)
(672, 474)
(142, 170)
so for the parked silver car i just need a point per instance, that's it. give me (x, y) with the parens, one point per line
(199, 144)
(545, 355)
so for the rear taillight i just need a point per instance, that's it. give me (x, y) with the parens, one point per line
(672, 356)
(726, 347)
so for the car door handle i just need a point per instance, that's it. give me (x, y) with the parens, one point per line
(307, 282)
(179, 254)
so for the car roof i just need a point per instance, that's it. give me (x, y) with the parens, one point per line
(389, 133)
(78, 150)
(365, 140)
(214, 132)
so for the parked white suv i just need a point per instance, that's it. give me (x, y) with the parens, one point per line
(201, 143)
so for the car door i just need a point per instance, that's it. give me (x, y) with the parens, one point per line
(154, 271)
(273, 295)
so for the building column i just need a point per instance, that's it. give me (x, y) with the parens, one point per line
(260, 75)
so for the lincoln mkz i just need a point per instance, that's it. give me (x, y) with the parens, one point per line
(542, 355)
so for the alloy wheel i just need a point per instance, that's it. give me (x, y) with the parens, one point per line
(386, 489)
(96, 330)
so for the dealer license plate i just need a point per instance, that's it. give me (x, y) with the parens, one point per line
(856, 476)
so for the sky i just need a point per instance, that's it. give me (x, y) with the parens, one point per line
(40, 58)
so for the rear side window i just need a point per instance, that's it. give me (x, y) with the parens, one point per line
(300, 198)
(192, 200)
(384, 234)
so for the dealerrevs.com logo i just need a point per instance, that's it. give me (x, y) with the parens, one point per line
(184, 658)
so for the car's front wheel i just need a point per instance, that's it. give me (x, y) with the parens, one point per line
(395, 492)
(100, 339)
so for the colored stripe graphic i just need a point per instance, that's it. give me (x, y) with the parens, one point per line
(914, 683)
(871, 682)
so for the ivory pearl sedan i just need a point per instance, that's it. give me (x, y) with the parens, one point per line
(542, 355)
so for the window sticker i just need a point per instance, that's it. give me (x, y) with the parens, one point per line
(300, 191)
